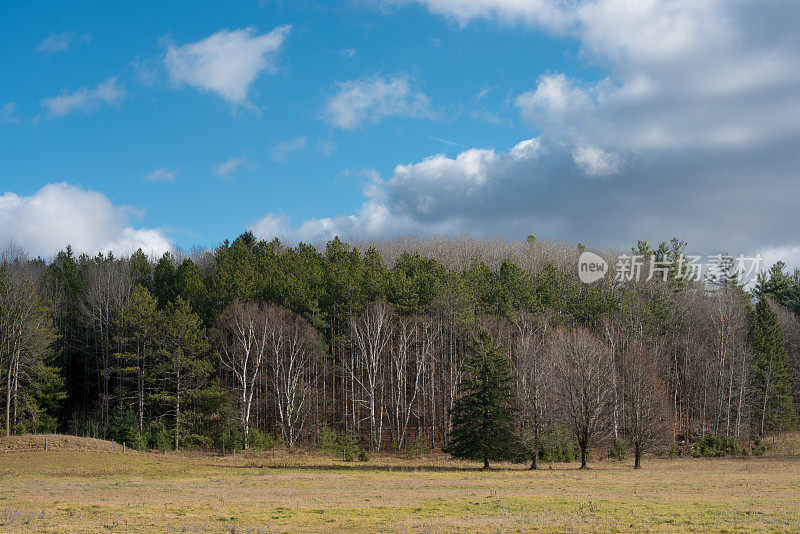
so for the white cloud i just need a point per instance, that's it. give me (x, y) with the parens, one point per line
(595, 161)
(60, 214)
(58, 42)
(547, 13)
(420, 198)
(694, 125)
(284, 148)
(227, 168)
(788, 254)
(164, 174)
(86, 99)
(369, 100)
(9, 113)
(225, 63)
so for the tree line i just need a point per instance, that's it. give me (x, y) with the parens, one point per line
(392, 345)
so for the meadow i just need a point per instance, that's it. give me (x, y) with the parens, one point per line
(82, 485)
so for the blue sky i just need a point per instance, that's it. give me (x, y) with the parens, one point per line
(186, 123)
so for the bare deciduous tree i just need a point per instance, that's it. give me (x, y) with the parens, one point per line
(242, 333)
(25, 326)
(371, 333)
(293, 348)
(583, 386)
(410, 354)
(647, 418)
(531, 370)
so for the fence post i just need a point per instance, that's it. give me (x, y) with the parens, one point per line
(123, 447)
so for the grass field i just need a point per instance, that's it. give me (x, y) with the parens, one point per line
(89, 486)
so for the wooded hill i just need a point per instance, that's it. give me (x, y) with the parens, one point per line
(369, 344)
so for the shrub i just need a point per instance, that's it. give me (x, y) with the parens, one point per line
(260, 440)
(758, 448)
(123, 427)
(618, 450)
(329, 441)
(418, 447)
(343, 446)
(363, 456)
(558, 445)
(716, 446)
(158, 437)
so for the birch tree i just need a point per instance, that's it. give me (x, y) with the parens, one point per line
(293, 346)
(242, 334)
(371, 333)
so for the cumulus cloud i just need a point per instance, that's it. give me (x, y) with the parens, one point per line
(60, 214)
(280, 150)
(86, 99)
(368, 100)
(58, 42)
(164, 174)
(693, 130)
(227, 62)
(788, 254)
(227, 168)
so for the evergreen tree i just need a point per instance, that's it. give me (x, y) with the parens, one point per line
(483, 426)
(183, 363)
(771, 376)
(780, 286)
(164, 280)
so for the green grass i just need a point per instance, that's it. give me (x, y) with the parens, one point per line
(104, 491)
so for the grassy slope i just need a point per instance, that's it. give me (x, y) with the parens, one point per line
(102, 490)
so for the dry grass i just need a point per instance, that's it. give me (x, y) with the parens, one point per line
(100, 490)
(55, 442)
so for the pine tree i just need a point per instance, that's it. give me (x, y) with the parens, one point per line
(483, 427)
(183, 364)
(771, 376)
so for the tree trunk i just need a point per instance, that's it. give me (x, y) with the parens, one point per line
(583, 457)
(8, 401)
(534, 461)
(486, 463)
(637, 463)
(177, 408)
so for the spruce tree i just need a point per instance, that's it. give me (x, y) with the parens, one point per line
(483, 427)
(771, 374)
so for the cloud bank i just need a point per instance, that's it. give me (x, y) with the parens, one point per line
(59, 214)
(692, 132)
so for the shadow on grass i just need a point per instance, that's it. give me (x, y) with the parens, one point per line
(363, 467)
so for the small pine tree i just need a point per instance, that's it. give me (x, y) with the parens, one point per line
(483, 427)
(771, 380)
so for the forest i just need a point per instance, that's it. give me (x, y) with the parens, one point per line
(397, 345)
